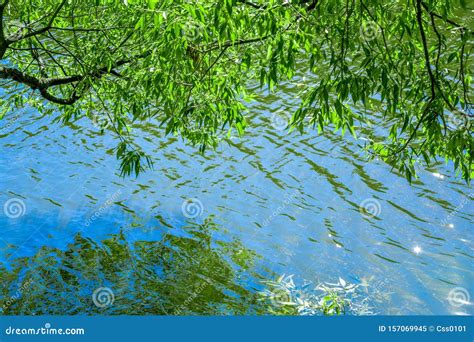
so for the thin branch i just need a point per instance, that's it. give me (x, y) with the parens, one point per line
(44, 84)
(3, 41)
(425, 6)
(35, 84)
(84, 29)
(419, 19)
(41, 30)
(252, 4)
(62, 101)
(227, 44)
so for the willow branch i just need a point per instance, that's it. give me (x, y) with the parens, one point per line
(425, 6)
(419, 19)
(41, 30)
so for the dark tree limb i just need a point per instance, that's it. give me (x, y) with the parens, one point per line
(425, 6)
(3, 41)
(41, 30)
(44, 84)
(419, 19)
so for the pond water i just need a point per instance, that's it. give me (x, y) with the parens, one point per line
(267, 204)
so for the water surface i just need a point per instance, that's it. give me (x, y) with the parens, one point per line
(268, 204)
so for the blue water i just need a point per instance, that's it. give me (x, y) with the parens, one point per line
(292, 199)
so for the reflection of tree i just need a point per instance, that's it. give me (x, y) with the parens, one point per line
(189, 273)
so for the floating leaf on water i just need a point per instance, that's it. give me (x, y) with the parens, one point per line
(342, 282)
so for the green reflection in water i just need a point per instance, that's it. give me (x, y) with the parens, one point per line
(193, 273)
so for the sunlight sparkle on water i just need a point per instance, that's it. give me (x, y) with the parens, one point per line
(417, 250)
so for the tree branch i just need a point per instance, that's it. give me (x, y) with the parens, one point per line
(36, 84)
(425, 6)
(41, 30)
(3, 41)
(44, 84)
(419, 19)
(251, 4)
